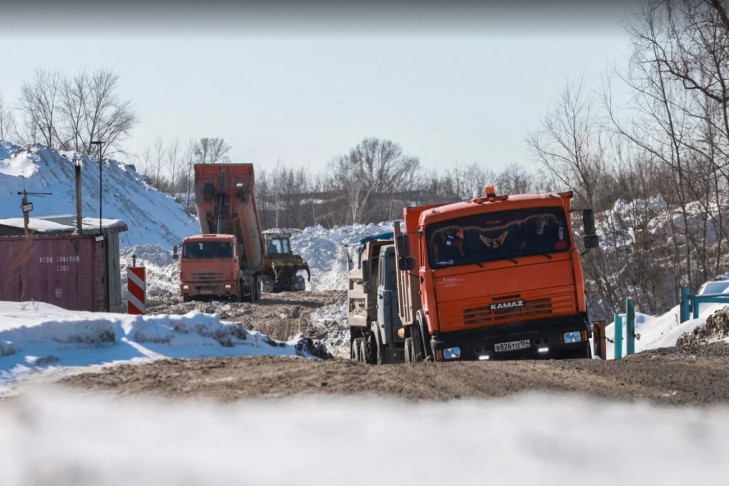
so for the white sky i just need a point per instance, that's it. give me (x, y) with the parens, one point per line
(300, 85)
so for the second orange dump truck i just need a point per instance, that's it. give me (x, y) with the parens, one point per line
(496, 277)
(226, 259)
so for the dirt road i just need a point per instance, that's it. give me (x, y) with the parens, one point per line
(695, 375)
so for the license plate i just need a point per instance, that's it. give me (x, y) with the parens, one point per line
(512, 345)
(206, 291)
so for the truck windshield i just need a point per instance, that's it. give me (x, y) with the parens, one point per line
(207, 249)
(278, 246)
(497, 236)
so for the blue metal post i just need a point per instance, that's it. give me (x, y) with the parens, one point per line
(630, 326)
(685, 304)
(695, 305)
(618, 336)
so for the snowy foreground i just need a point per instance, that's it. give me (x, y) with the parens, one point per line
(57, 438)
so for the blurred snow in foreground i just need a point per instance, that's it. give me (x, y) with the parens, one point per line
(56, 438)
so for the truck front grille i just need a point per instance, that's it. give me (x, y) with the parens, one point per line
(531, 308)
(209, 276)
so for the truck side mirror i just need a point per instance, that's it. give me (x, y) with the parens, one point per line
(588, 223)
(175, 256)
(405, 263)
(403, 245)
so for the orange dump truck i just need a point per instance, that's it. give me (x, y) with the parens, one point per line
(497, 277)
(226, 259)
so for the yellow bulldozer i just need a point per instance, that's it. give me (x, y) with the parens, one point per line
(280, 266)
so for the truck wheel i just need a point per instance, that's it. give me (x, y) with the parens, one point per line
(379, 350)
(267, 284)
(364, 351)
(356, 349)
(298, 284)
(256, 288)
(239, 295)
(421, 346)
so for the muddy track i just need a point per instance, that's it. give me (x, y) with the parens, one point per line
(671, 378)
(695, 375)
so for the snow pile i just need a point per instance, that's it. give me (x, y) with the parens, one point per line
(152, 217)
(330, 326)
(328, 251)
(55, 437)
(162, 272)
(37, 337)
(617, 226)
(6, 149)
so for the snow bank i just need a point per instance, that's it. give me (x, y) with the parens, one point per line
(152, 217)
(660, 331)
(328, 251)
(37, 337)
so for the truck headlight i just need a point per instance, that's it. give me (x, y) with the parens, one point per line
(228, 286)
(185, 287)
(451, 353)
(572, 337)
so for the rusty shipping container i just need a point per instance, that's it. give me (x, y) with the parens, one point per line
(67, 271)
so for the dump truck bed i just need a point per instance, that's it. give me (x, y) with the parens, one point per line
(232, 188)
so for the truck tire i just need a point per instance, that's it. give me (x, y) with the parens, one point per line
(421, 343)
(379, 349)
(370, 349)
(298, 284)
(267, 284)
(257, 288)
(239, 296)
(364, 353)
(355, 351)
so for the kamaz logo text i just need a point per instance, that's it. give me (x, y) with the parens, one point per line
(507, 305)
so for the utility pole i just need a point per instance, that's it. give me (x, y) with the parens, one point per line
(79, 217)
(101, 182)
(27, 207)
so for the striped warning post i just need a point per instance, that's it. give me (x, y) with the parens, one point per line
(137, 289)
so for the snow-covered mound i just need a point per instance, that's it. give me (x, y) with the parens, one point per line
(37, 337)
(152, 217)
(328, 251)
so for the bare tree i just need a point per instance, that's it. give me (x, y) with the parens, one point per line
(187, 175)
(173, 164)
(370, 177)
(71, 113)
(570, 144)
(157, 164)
(8, 131)
(106, 117)
(72, 110)
(39, 102)
(212, 151)
(514, 179)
